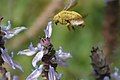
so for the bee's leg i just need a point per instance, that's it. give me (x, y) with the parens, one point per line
(68, 26)
(56, 22)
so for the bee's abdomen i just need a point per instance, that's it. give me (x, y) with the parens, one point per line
(65, 17)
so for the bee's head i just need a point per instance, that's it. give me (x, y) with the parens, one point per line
(55, 19)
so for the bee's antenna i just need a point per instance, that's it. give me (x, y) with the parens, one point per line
(69, 4)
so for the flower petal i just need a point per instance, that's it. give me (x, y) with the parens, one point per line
(51, 74)
(13, 32)
(37, 58)
(8, 36)
(27, 52)
(48, 30)
(18, 66)
(35, 74)
(58, 76)
(4, 28)
(9, 60)
(9, 25)
(8, 75)
(61, 57)
(116, 74)
(15, 78)
(106, 78)
(39, 46)
(31, 47)
(18, 30)
(61, 62)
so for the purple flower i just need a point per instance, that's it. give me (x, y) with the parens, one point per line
(116, 74)
(39, 46)
(9, 33)
(15, 78)
(59, 76)
(46, 54)
(39, 49)
(8, 75)
(35, 74)
(106, 78)
(48, 30)
(37, 58)
(30, 51)
(62, 57)
(5, 28)
(34, 50)
(9, 60)
(52, 75)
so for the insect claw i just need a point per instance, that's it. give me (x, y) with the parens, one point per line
(68, 28)
(83, 26)
(73, 28)
(56, 22)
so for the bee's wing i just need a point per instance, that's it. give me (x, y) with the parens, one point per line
(70, 4)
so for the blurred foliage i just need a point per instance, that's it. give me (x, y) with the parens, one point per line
(78, 43)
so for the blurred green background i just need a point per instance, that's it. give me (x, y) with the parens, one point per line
(78, 43)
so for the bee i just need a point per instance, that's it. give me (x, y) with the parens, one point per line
(69, 18)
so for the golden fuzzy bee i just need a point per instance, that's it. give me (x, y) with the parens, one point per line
(69, 18)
